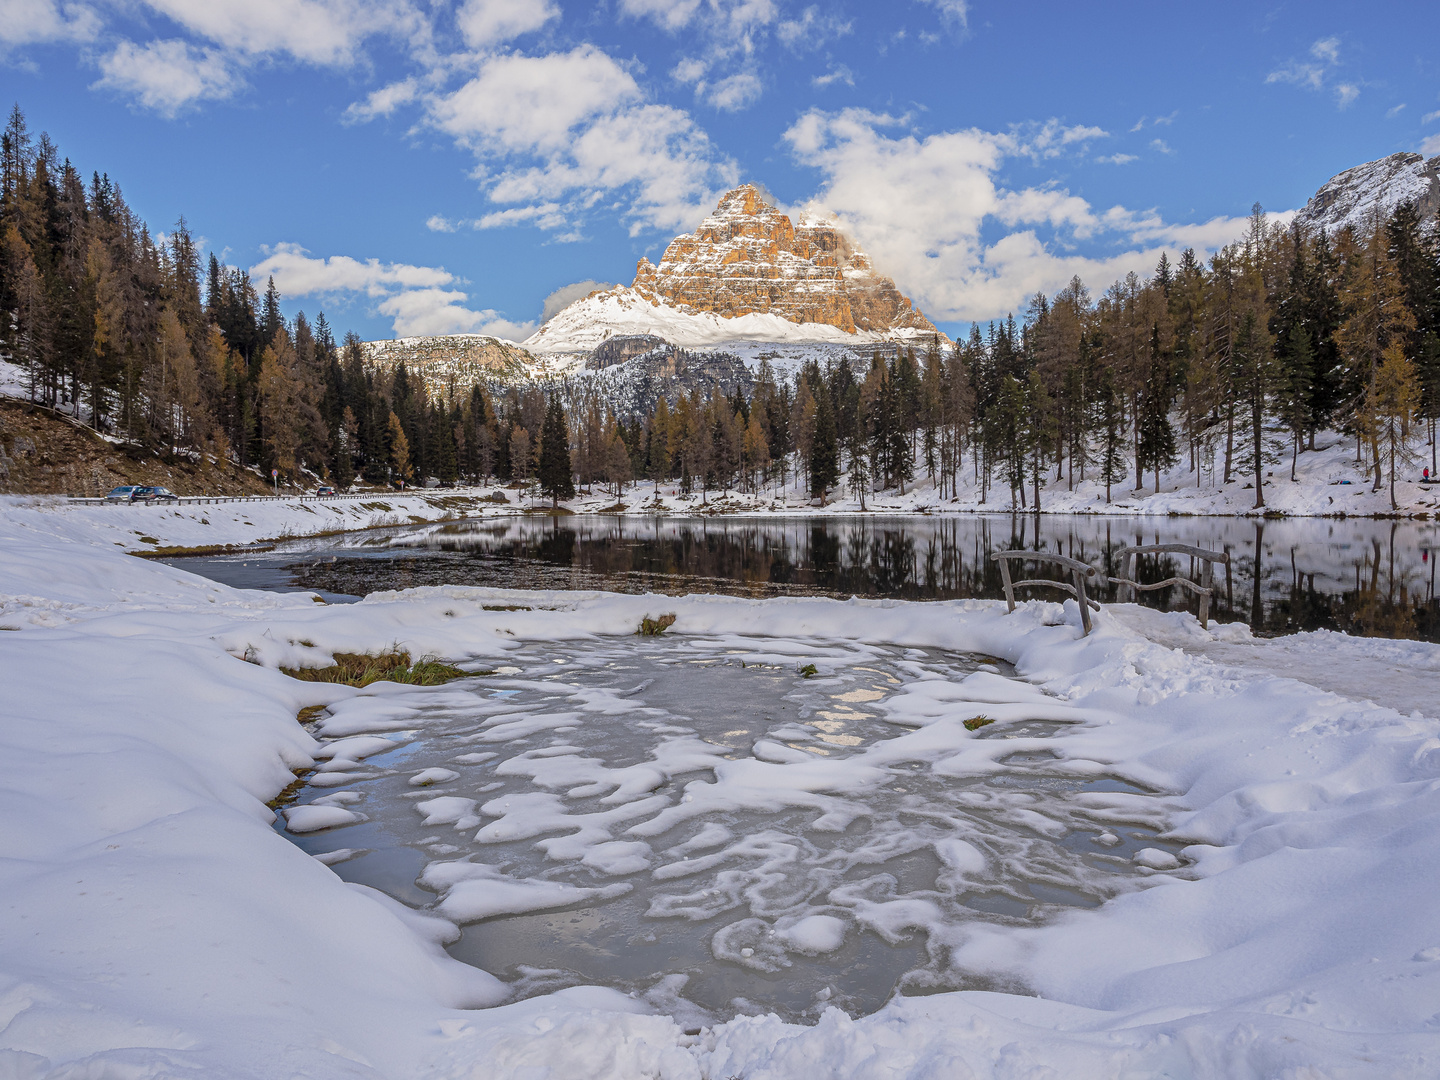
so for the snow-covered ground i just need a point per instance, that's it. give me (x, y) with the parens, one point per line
(155, 924)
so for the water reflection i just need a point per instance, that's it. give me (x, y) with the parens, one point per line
(1366, 577)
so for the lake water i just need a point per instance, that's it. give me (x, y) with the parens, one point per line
(698, 821)
(1362, 576)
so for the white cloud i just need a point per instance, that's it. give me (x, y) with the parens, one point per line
(562, 297)
(421, 300)
(667, 14)
(953, 11)
(327, 32)
(490, 22)
(168, 75)
(1161, 145)
(1117, 159)
(811, 30)
(428, 312)
(1052, 138)
(919, 205)
(1394, 111)
(1314, 73)
(36, 22)
(570, 128)
(1429, 116)
(1326, 50)
(1431, 146)
(735, 92)
(383, 102)
(437, 223)
(839, 73)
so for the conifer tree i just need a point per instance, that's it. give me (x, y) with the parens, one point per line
(554, 473)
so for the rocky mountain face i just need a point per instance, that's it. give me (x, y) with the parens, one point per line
(746, 273)
(1356, 197)
(631, 373)
(747, 258)
(452, 363)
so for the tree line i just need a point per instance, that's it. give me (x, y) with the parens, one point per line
(1198, 362)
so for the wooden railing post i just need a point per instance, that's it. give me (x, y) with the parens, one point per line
(1005, 579)
(1083, 600)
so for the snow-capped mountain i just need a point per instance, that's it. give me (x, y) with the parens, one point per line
(747, 273)
(1357, 196)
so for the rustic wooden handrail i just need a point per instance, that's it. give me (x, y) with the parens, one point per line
(1205, 589)
(1079, 573)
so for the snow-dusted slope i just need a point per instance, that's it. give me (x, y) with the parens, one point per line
(1358, 196)
(624, 311)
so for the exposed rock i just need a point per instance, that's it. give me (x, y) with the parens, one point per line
(631, 386)
(1360, 196)
(747, 258)
(747, 273)
(617, 350)
(452, 363)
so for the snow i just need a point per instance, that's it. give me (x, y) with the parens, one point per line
(621, 311)
(157, 925)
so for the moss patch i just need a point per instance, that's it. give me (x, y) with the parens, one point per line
(655, 627)
(362, 669)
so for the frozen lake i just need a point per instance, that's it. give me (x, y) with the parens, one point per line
(697, 821)
(1363, 576)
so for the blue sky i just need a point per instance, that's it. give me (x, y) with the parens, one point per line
(428, 167)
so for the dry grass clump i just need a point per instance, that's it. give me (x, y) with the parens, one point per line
(362, 669)
(975, 723)
(655, 627)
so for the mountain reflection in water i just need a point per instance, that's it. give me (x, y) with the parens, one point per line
(1362, 576)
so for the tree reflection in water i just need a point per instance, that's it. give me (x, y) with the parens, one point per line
(1366, 577)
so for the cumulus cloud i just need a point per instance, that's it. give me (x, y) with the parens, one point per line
(420, 300)
(39, 22)
(921, 207)
(1117, 159)
(566, 295)
(1431, 146)
(489, 22)
(723, 38)
(327, 32)
(570, 128)
(168, 75)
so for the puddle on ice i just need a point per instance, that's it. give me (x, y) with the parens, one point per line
(695, 821)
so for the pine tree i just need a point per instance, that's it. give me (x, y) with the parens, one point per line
(825, 449)
(554, 474)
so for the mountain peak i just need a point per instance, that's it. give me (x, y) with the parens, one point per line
(747, 259)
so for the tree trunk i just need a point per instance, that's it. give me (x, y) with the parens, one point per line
(1257, 428)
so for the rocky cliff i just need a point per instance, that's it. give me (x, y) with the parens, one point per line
(747, 272)
(1357, 196)
(452, 363)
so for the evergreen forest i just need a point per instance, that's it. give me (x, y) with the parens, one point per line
(1202, 363)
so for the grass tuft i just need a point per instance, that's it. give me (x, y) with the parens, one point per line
(975, 723)
(362, 669)
(808, 670)
(655, 627)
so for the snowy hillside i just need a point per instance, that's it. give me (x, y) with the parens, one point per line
(621, 311)
(1358, 196)
(1277, 922)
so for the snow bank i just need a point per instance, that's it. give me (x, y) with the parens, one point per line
(156, 925)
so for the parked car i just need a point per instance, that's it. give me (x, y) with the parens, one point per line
(153, 495)
(324, 489)
(124, 493)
